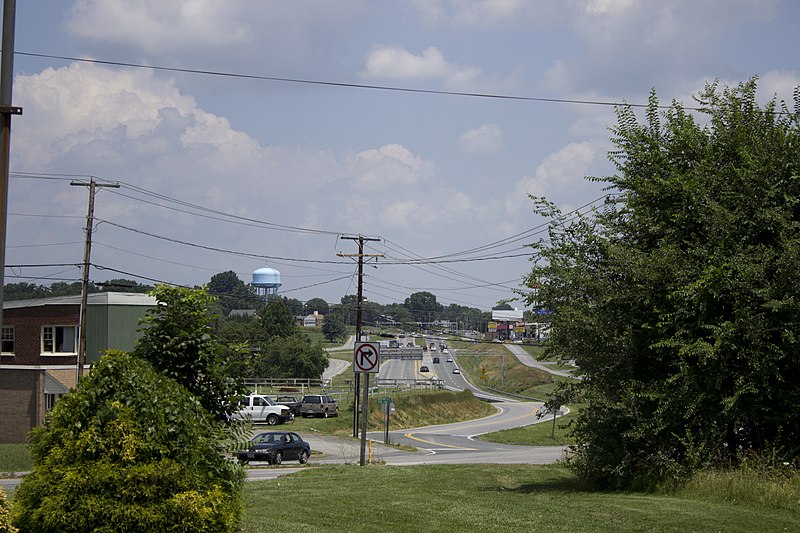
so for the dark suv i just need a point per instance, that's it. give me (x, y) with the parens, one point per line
(319, 405)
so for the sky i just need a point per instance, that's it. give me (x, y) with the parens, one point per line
(224, 163)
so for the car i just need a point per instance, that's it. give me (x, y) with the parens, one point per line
(456, 371)
(319, 405)
(259, 408)
(274, 447)
(409, 345)
(435, 360)
(449, 359)
(291, 402)
(424, 368)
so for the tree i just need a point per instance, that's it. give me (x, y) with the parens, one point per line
(276, 320)
(681, 302)
(333, 328)
(123, 285)
(178, 339)
(294, 305)
(128, 450)
(291, 357)
(231, 292)
(316, 304)
(423, 306)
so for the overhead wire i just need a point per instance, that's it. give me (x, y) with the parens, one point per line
(390, 88)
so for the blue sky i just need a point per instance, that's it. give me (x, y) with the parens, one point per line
(431, 174)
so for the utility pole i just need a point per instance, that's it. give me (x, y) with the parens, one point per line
(6, 110)
(359, 312)
(87, 251)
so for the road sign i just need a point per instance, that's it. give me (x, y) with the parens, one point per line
(367, 358)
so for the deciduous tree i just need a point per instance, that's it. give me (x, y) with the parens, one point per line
(680, 299)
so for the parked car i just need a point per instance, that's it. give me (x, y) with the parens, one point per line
(291, 402)
(275, 447)
(259, 408)
(424, 368)
(319, 405)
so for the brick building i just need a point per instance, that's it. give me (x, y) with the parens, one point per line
(38, 361)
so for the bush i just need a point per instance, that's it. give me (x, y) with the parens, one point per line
(128, 450)
(5, 515)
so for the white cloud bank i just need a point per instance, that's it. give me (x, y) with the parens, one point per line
(486, 139)
(392, 62)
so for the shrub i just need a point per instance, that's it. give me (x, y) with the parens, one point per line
(128, 450)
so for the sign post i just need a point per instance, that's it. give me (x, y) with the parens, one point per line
(366, 360)
(388, 408)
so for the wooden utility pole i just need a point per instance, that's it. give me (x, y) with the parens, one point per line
(87, 252)
(6, 110)
(359, 312)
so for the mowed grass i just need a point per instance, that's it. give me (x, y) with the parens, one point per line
(487, 498)
(412, 409)
(544, 433)
(14, 458)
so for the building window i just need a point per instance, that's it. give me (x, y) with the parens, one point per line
(8, 339)
(59, 339)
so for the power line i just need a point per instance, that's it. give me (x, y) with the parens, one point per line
(390, 88)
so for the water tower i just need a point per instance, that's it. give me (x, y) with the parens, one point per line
(266, 281)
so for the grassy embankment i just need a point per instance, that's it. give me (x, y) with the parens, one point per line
(520, 380)
(510, 498)
(412, 410)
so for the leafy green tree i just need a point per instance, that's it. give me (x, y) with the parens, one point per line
(128, 450)
(232, 293)
(294, 305)
(316, 304)
(276, 320)
(291, 357)
(178, 339)
(680, 299)
(333, 328)
(123, 285)
(423, 306)
(399, 313)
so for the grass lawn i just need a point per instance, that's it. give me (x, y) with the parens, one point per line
(14, 458)
(540, 434)
(488, 498)
(413, 409)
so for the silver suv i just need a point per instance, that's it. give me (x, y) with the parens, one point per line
(319, 405)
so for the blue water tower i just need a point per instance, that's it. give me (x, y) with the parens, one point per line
(266, 282)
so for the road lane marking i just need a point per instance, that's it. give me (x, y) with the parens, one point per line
(449, 446)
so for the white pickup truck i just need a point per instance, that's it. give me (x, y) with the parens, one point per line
(259, 408)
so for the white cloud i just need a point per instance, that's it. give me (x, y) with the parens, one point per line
(156, 26)
(388, 167)
(484, 140)
(780, 84)
(556, 177)
(279, 36)
(392, 62)
(489, 13)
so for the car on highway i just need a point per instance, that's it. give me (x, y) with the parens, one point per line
(424, 368)
(456, 371)
(435, 360)
(274, 447)
(449, 359)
